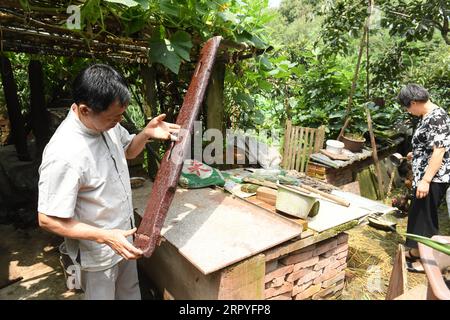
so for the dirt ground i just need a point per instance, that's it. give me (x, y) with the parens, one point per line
(370, 259)
(33, 254)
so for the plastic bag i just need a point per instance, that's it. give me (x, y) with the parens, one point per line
(196, 174)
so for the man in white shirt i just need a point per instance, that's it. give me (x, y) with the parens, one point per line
(84, 184)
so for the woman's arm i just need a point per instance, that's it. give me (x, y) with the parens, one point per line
(423, 186)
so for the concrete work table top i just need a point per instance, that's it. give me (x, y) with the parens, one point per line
(212, 229)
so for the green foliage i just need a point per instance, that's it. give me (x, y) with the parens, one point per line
(170, 52)
(171, 26)
(436, 245)
(416, 20)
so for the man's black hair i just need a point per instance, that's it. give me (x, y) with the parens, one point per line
(98, 86)
(412, 92)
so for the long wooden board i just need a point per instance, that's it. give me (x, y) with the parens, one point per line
(149, 231)
(213, 230)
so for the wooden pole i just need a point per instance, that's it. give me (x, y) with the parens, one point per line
(375, 154)
(355, 78)
(14, 111)
(40, 120)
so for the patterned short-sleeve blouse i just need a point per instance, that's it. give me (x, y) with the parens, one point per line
(433, 130)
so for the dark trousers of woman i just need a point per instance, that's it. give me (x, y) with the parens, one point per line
(423, 213)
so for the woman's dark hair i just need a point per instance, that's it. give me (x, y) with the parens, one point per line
(98, 86)
(412, 92)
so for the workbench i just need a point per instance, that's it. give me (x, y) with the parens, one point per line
(346, 171)
(217, 246)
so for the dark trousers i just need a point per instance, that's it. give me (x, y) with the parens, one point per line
(423, 213)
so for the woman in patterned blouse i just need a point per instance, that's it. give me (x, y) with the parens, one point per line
(430, 164)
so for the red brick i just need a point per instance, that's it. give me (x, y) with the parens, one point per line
(277, 282)
(300, 288)
(311, 275)
(278, 273)
(328, 283)
(341, 248)
(324, 262)
(272, 292)
(342, 260)
(297, 275)
(325, 246)
(342, 267)
(342, 237)
(307, 263)
(331, 266)
(308, 292)
(284, 296)
(298, 257)
(330, 274)
(339, 286)
(342, 255)
(328, 293)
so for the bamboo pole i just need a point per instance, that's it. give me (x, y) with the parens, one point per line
(375, 154)
(355, 79)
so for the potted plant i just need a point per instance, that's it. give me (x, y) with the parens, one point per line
(354, 139)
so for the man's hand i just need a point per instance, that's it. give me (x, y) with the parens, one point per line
(159, 129)
(423, 187)
(117, 240)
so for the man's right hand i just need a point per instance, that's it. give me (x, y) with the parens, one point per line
(117, 240)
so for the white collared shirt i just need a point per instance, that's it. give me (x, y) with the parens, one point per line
(84, 176)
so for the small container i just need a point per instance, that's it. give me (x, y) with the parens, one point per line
(137, 182)
(296, 203)
(334, 146)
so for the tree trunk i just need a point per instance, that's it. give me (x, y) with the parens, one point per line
(151, 108)
(39, 116)
(18, 133)
(150, 93)
(214, 98)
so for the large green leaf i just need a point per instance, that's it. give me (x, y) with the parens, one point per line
(136, 19)
(128, 3)
(161, 51)
(439, 246)
(170, 8)
(182, 44)
(247, 37)
(90, 12)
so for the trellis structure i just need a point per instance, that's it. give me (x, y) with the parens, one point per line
(41, 29)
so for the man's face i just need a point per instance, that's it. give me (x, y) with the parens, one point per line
(107, 119)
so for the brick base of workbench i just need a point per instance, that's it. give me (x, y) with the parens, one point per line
(315, 272)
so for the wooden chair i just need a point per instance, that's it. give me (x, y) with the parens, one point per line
(299, 143)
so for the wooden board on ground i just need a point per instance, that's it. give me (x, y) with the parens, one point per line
(398, 281)
(214, 230)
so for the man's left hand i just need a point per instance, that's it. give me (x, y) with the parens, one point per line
(159, 129)
(423, 188)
